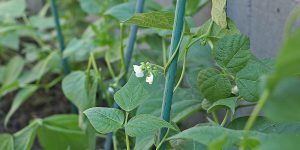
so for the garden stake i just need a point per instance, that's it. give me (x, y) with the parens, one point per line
(128, 55)
(171, 72)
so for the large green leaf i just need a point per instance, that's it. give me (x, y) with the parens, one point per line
(62, 132)
(229, 103)
(133, 93)
(232, 52)
(6, 142)
(218, 12)
(185, 102)
(265, 125)
(283, 104)
(145, 124)
(12, 8)
(287, 63)
(210, 135)
(155, 19)
(248, 80)
(214, 85)
(93, 6)
(76, 88)
(25, 138)
(20, 98)
(144, 142)
(13, 70)
(284, 142)
(105, 120)
(122, 11)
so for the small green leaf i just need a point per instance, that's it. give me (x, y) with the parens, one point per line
(283, 104)
(248, 80)
(145, 124)
(218, 12)
(42, 23)
(20, 98)
(6, 142)
(214, 85)
(133, 93)
(155, 19)
(10, 40)
(25, 138)
(12, 8)
(13, 70)
(232, 52)
(230, 103)
(216, 32)
(105, 120)
(76, 88)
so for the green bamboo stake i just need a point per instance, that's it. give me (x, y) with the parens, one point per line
(171, 72)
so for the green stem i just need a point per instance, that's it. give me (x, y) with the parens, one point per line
(225, 118)
(215, 117)
(111, 71)
(164, 48)
(126, 136)
(115, 141)
(257, 109)
(163, 140)
(123, 66)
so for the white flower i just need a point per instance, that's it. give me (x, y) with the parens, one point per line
(149, 78)
(235, 90)
(138, 71)
(110, 90)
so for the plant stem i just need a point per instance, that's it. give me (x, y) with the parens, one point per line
(122, 47)
(172, 68)
(126, 136)
(257, 109)
(215, 117)
(225, 118)
(164, 48)
(162, 141)
(115, 141)
(110, 69)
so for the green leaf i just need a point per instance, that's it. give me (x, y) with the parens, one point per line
(283, 104)
(6, 89)
(13, 70)
(10, 40)
(193, 6)
(144, 142)
(12, 8)
(284, 142)
(229, 103)
(42, 23)
(185, 102)
(232, 52)
(6, 142)
(93, 6)
(133, 93)
(216, 32)
(122, 11)
(62, 132)
(248, 80)
(210, 135)
(155, 19)
(287, 62)
(262, 124)
(25, 138)
(19, 99)
(76, 88)
(145, 124)
(105, 120)
(214, 85)
(218, 12)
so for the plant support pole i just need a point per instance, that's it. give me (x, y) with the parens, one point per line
(59, 36)
(171, 72)
(61, 41)
(128, 55)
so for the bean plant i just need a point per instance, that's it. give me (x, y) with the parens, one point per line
(144, 102)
